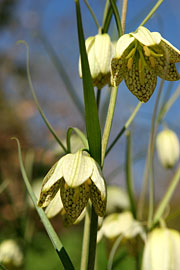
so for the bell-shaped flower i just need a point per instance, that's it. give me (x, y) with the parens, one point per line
(11, 255)
(78, 177)
(100, 51)
(139, 58)
(162, 250)
(168, 150)
(123, 224)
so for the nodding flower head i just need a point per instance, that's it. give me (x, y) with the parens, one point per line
(79, 178)
(139, 58)
(100, 51)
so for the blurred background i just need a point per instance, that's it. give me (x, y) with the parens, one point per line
(49, 27)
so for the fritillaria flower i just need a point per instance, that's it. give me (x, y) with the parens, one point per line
(168, 151)
(124, 224)
(11, 255)
(139, 58)
(162, 250)
(99, 50)
(78, 177)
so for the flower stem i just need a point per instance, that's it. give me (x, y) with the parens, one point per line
(153, 10)
(165, 108)
(85, 244)
(165, 200)
(129, 177)
(127, 124)
(123, 15)
(92, 14)
(108, 123)
(93, 239)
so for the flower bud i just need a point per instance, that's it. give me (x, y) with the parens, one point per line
(167, 144)
(11, 255)
(100, 51)
(162, 250)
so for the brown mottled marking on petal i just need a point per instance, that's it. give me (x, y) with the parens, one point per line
(101, 80)
(74, 200)
(98, 202)
(47, 196)
(118, 69)
(172, 53)
(142, 89)
(165, 70)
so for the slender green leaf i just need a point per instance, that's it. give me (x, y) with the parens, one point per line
(153, 10)
(36, 100)
(62, 73)
(166, 198)
(117, 17)
(80, 134)
(129, 176)
(107, 17)
(64, 257)
(91, 113)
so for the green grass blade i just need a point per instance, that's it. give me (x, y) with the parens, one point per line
(117, 17)
(36, 100)
(64, 257)
(153, 10)
(62, 73)
(107, 17)
(91, 113)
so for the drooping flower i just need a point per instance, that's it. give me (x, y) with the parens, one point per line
(11, 255)
(162, 250)
(168, 150)
(139, 58)
(100, 51)
(78, 177)
(123, 224)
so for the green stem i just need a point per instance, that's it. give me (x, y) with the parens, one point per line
(36, 100)
(165, 108)
(93, 239)
(165, 200)
(85, 244)
(129, 177)
(123, 15)
(108, 123)
(153, 10)
(64, 257)
(117, 17)
(62, 73)
(108, 11)
(127, 124)
(98, 98)
(113, 252)
(92, 14)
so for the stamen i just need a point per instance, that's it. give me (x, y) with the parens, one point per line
(130, 63)
(147, 51)
(63, 212)
(65, 186)
(131, 54)
(152, 61)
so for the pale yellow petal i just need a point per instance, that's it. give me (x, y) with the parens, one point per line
(123, 44)
(147, 38)
(77, 168)
(55, 206)
(97, 178)
(54, 174)
(47, 195)
(142, 84)
(103, 52)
